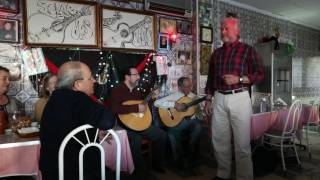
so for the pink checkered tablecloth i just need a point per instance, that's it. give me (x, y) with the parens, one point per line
(275, 120)
(20, 156)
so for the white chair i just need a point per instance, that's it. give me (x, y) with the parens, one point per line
(86, 145)
(288, 134)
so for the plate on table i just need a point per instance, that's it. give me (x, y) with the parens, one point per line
(28, 132)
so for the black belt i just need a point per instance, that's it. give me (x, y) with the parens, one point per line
(233, 91)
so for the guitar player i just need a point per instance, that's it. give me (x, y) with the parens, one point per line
(127, 91)
(189, 125)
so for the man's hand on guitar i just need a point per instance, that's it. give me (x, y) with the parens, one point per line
(142, 108)
(180, 107)
(155, 93)
(208, 105)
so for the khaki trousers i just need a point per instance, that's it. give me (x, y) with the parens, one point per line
(231, 116)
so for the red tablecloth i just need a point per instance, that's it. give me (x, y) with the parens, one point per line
(275, 120)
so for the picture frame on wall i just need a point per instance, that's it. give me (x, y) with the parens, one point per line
(163, 41)
(10, 6)
(206, 35)
(9, 30)
(124, 29)
(168, 26)
(183, 58)
(73, 24)
(184, 27)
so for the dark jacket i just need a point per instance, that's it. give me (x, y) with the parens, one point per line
(65, 111)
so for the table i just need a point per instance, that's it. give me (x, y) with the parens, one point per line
(20, 156)
(275, 120)
(126, 156)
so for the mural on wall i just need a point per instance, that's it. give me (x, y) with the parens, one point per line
(62, 23)
(127, 29)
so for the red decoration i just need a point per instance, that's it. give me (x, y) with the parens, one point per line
(52, 67)
(143, 63)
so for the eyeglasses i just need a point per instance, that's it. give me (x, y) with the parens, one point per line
(137, 74)
(90, 78)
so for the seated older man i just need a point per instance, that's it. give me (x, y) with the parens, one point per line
(68, 108)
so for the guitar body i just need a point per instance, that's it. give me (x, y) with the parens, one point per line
(177, 116)
(136, 121)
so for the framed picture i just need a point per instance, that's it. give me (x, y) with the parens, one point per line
(161, 65)
(9, 30)
(127, 29)
(184, 27)
(61, 23)
(11, 6)
(184, 58)
(206, 34)
(163, 41)
(168, 26)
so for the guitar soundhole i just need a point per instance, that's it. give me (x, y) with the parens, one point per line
(124, 33)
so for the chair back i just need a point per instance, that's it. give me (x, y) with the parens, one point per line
(292, 119)
(85, 146)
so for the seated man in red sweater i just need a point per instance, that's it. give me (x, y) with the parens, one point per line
(127, 91)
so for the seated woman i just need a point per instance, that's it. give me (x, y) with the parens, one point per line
(6, 104)
(48, 85)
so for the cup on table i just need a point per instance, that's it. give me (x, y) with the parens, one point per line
(8, 131)
(34, 124)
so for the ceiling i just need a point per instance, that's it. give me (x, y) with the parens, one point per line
(304, 12)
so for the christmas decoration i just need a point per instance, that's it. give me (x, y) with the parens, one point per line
(147, 77)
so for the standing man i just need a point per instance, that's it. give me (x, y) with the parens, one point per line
(127, 91)
(190, 125)
(233, 68)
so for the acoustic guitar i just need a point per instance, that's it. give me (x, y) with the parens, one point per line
(138, 121)
(171, 117)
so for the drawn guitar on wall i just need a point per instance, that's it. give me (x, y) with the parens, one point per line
(53, 31)
(123, 34)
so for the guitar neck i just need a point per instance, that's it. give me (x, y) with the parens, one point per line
(149, 96)
(142, 22)
(197, 101)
